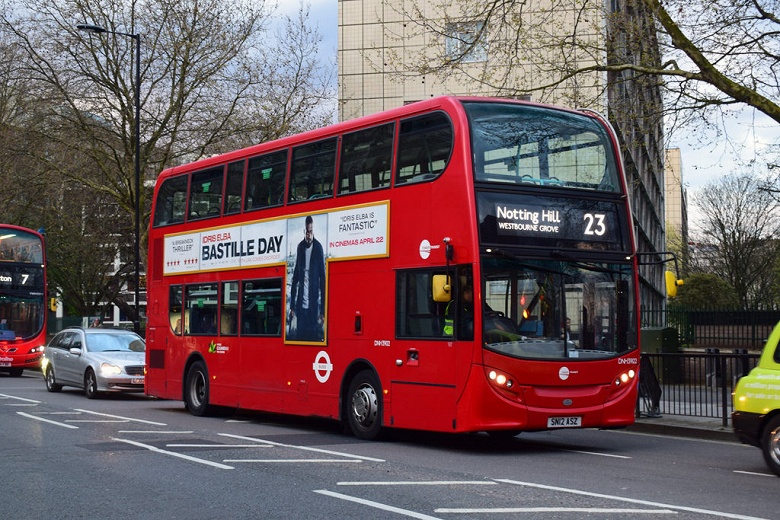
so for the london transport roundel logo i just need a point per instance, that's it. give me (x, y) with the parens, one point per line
(425, 249)
(322, 366)
(563, 373)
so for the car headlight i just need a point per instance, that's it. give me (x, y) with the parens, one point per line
(107, 369)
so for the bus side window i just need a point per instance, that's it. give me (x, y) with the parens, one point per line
(424, 148)
(265, 180)
(171, 201)
(206, 193)
(261, 307)
(174, 308)
(228, 313)
(417, 315)
(233, 188)
(365, 159)
(312, 170)
(200, 302)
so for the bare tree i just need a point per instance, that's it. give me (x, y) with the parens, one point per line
(213, 77)
(740, 230)
(716, 53)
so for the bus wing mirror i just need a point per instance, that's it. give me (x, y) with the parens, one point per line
(441, 289)
(672, 283)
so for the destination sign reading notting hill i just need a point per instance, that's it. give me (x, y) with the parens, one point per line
(507, 219)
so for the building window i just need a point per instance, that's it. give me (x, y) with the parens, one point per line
(462, 42)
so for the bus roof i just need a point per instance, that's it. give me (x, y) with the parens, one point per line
(452, 102)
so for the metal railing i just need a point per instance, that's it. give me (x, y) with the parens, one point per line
(718, 328)
(697, 384)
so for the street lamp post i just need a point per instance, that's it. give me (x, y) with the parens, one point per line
(96, 29)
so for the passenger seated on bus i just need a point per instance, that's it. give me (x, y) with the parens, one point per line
(228, 322)
(203, 322)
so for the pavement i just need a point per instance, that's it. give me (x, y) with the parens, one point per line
(685, 426)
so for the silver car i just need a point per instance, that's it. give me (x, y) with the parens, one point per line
(97, 360)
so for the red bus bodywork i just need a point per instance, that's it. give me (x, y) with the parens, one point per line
(366, 363)
(22, 299)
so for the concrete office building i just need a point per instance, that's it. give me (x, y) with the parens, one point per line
(386, 58)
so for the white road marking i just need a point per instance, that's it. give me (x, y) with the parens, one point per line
(586, 510)
(376, 505)
(599, 454)
(165, 432)
(173, 454)
(304, 448)
(675, 437)
(120, 417)
(97, 421)
(756, 473)
(48, 420)
(173, 445)
(630, 500)
(290, 460)
(423, 483)
(6, 396)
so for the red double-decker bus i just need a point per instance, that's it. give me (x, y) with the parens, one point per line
(454, 265)
(22, 299)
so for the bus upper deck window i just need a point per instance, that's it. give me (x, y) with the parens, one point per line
(424, 147)
(538, 146)
(366, 156)
(233, 187)
(265, 180)
(171, 201)
(312, 170)
(206, 193)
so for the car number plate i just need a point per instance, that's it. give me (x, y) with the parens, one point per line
(137, 381)
(564, 422)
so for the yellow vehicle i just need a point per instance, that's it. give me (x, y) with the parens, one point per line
(756, 415)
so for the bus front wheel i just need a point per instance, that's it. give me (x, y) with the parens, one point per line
(196, 389)
(364, 406)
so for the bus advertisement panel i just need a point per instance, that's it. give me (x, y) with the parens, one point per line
(22, 299)
(455, 265)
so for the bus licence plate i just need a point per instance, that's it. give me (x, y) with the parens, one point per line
(564, 422)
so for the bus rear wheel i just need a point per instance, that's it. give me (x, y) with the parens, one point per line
(364, 406)
(196, 389)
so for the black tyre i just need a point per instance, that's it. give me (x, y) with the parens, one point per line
(770, 444)
(16, 372)
(196, 389)
(51, 383)
(90, 385)
(364, 406)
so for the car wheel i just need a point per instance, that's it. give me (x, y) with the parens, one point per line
(196, 389)
(90, 384)
(770, 444)
(51, 383)
(364, 406)
(16, 372)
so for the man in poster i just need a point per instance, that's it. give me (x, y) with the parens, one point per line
(307, 294)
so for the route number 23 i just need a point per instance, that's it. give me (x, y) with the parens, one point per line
(594, 224)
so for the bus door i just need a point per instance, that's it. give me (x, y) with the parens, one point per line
(434, 329)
